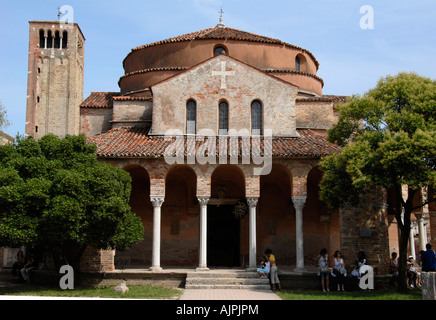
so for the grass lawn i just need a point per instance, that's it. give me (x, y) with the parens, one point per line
(135, 292)
(379, 294)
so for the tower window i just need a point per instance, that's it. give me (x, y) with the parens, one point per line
(219, 50)
(223, 118)
(64, 40)
(256, 118)
(57, 40)
(297, 64)
(49, 40)
(41, 39)
(191, 117)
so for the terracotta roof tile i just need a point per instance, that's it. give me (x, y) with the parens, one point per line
(224, 33)
(325, 98)
(128, 142)
(99, 100)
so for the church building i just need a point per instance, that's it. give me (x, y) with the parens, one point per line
(221, 131)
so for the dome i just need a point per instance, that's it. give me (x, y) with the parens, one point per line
(149, 64)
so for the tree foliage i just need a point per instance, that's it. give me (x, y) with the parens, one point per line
(3, 121)
(54, 193)
(388, 139)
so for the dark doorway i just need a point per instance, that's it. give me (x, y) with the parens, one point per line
(223, 233)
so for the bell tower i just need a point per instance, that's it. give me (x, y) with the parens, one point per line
(55, 78)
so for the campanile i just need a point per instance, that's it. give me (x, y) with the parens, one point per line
(55, 78)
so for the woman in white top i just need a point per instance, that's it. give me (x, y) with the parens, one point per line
(339, 270)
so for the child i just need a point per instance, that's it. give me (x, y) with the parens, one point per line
(264, 267)
(323, 269)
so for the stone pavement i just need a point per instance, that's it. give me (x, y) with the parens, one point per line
(228, 294)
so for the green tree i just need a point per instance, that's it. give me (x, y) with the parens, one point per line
(3, 121)
(389, 139)
(56, 195)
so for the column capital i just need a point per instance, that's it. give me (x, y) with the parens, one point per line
(252, 202)
(157, 200)
(203, 200)
(299, 201)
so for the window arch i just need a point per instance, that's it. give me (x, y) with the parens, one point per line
(191, 117)
(256, 118)
(64, 40)
(49, 40)
(57, 40)
(297, 63)
(223, 118)
(42, 39)
(220, 49)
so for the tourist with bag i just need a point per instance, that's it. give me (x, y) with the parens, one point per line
(323, 269)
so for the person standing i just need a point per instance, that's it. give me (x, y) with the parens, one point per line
(339, 270)
(428, 259)
(273, 270)
(323, 269)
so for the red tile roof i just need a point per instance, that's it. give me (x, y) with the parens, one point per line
(128, 142)
(106, 99)
(325, 98)
(224, 33)
(99, 100)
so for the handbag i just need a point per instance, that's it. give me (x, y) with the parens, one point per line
(325, 269)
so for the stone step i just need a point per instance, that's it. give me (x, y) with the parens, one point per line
(226, 280)
(228, 286)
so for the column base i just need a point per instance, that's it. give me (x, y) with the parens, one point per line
(251, 269)
(300, 270)
(155, 268)
(202, 269)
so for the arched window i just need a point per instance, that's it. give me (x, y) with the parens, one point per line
(223, 118)
(57, 40)
(49, 40)
(42, 39)
(191, 117)
(256, 118)
(219, 50)
(297, 64)
(64, 40)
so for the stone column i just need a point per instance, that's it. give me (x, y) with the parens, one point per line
(412, 242)
(252, 203)
(155, 259)
(422, 231)
(203, 234)
(299, 202)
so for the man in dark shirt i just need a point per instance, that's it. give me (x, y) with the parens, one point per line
(428, 258)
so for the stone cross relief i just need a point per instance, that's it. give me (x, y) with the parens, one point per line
(223, 73)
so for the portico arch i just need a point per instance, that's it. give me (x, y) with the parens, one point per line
(224, 228)
(180, 218)
(140, 253)
(276, 222)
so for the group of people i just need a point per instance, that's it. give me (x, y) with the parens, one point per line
(22, 267)
(337, 270)
(428, 264)
(268, 269)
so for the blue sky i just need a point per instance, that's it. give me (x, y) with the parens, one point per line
(351, 59)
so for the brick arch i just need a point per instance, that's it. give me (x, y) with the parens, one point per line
(230, 175)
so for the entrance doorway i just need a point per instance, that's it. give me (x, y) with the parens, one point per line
(223, 236)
